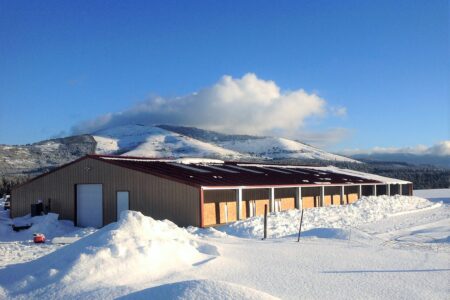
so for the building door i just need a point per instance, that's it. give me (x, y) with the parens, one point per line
(123, 203)
(89, 205)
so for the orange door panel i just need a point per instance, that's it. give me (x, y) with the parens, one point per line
(287, 203)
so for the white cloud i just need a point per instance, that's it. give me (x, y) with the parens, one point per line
(440, 149)
(247, 105)
(339, 111)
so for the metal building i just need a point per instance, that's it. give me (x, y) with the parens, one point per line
(93, 190)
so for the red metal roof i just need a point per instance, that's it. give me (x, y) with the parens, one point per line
(230, 174)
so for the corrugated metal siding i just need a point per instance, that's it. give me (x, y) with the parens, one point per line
(220, 196)
(256, 194)
(154, 196)
(284, 193)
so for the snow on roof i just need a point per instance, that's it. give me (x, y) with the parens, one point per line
(184, 160)
(361, 174)
(142, 159)
(193, 160)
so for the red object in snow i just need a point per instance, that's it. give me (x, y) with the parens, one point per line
(39, 238)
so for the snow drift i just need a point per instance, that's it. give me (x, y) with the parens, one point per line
(200, 290)
(48, 224)
(134, 250)
(365, 210)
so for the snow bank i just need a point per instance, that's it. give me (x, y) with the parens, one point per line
(328, 233)
(48, 224)
(200, 290)
(206, 232)
(134, 250)
(365, 210)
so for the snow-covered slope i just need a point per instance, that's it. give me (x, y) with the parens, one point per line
(173, 141)
(281, 148)
(150, 141)
(40, 156)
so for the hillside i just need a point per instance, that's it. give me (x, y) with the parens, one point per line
(155, 141)
(39, 157)
(150, 141)
(411, 158)
(262, 147)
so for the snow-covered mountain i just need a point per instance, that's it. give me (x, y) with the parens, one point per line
(152, 141)
(155, 141)
(281, 148)
(261, 147)
(177, 141)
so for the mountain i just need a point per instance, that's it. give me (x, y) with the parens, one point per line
(39, 157)
(262, 147)
(410, 158)
(156, 141)
(152, 141)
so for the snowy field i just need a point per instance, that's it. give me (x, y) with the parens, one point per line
(377, 248)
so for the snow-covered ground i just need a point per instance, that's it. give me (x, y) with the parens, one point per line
(376, 248)
(366, 210)
(435, 195)
(18, 247)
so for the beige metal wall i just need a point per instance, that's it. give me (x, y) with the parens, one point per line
(154, 196)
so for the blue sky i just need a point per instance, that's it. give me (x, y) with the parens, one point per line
(387, 63)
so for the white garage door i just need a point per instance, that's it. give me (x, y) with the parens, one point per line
(89, 205)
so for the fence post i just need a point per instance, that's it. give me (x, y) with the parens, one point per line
(265, 222)
(300, 227)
